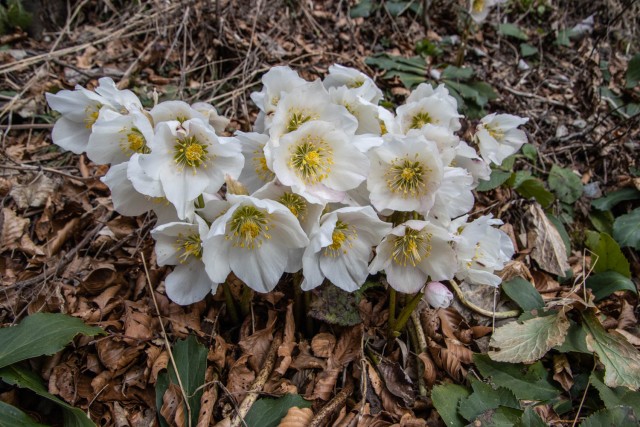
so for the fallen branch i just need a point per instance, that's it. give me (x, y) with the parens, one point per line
(335, 404)
(480, 310)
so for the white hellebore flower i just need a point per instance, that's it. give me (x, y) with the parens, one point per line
(429, 106)
(115, 137)
(438, 295)
(252, 239)
(318, 162)
(366, 113)
(406, 172)
(177, 110)
(180, 244)
(189, 159)
(499, 137)
(276, 82)
(341, 248)
(218, 122)
(255, 172)
(414, 252)
(479, 9)
(357, 82)
(481, 249)
(466, 157)
(455, 195)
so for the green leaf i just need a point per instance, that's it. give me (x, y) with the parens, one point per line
(530, 152)
(610, 200)
(620, 416)
(562, 39)
(362, 9)
(335, 306)
(496, 179)
(12, 416)
(608, 254)
(484, 398)
(530, 418)
(512, 30)
(527, 50)
(40, 334)
(565, 184)
(576, 340)
(446, 398)
(269, 412)
(500, 417)
(626, 229)
(457, 73)
(561, 231)
(415, 65)
(523, 293)
(533, 187)
(162, 384)
(633, 72)
(602, 221)
(529, 341)
(618, 396)
(20, 377)
(607, 282)
(526, 382)
(409, 80)
(621, 360)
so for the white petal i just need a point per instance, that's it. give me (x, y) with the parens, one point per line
(188, 283)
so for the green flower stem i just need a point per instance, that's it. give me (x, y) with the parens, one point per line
(245, 300)
(200, 202)
(405, 314)
(231, 304)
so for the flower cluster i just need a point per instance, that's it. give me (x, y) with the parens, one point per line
(332, 183)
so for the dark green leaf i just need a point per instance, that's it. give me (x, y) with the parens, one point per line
(576, 340)
(415, 65)
(269, 412)
(626, 229)
(525, 382)
(512, 30)
(618, 396)
(40, 334)
(620, 416)
(496, 179)
(162, 384)
(12, 416)
(602, 221)
(445, 399)
(362, 9)
(14, 375)
(527, 50)
(633, 72)
(533, 187)
(530, 418)
(457, 73)
(608, 254)
(484, 398)
(501, 417)
(409, 80)
(607, 282)
(565, 184)
(523, 293)
(562, 38)
(610, 200)
(562, 231)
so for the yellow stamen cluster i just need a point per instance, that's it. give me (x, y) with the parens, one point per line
(190, 152)
(407, 177)
(497, 134)
(355, 83)
(134, 143)
(91, 115)
(260, 166)
(248, 227)
(476, 257)
(341, 238)
(477, 6)
(297, 119)
(420, 119)
(190, 245)
(296, 204)
(311, 159)
(411, 248)
(383, 127)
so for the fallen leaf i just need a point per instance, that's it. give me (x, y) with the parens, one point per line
(32, 192)
(323, 344)
(548, 248)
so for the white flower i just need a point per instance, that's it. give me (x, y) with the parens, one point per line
(218, 122)
(438, 295)
(116, 137)
(466, 157)
(180, 244)
(252, 239)
(256, 172)
(414, 252)
(318, 162)
(357, 82)
(176, 110)
(189, 159)
(455, 195)
(366, 113)
(436, 110)
(499, 137)
(276, 82)
(388, 122)
(341, 248)
(479, 9)
(425, 90)
(124, 101)
(405, 174)
(481, 249)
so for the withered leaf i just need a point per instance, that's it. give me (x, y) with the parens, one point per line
(548, 248)
(397, 381)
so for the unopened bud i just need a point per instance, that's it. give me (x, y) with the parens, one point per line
(438, 295)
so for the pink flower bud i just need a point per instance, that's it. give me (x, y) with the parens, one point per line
(438, 295)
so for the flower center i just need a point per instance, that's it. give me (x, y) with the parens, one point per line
(340, 239)
(412, 247)
(420, 119)
(296, 119)
(190, 152)
(497, 134)
(478, 5)
(135, 142)
(295, 203)
(249, 227)
(383, 127)
(407, 177)
(92, 113)
(312, 159)
(356, 83)
(260, 166)
(190, 245)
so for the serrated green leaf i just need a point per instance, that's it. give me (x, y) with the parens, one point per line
(620, 416)
(533, 187)
(500, 417)
(527, 50)
(626, 229)
(529, 341)
(20, 377)
(457, 73)
(562, 231)
(530, 418)
(40, 334)
(565, 184)
(484, 398)
(496, 179)
(610, 200)
(269, 412)
(621, 360)
(618, 396)
(607, 282)
(632, 75)
(526, 382)
(512, 30)
(12, 416)
(608, 257)
(523, 293)
(446, 398)
(575, 340)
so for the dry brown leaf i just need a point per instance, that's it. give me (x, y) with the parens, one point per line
(62, 235)
(120, 415)
(99, 279)
(32, 191)
(288, 342)
(217, 355)
(158, 365)
(562, 371)
(390, 403)
(633, 339)
(627, 318)
(15, 234)
(115, 355)
(240, 378)
(172, 406)
(460, 351)
(257, 346)
(430, 372)
(397, 381)
(323, 344)
(481, 331)
(548, 249)
(297, 417)
(409, 420)
(450, 320)
(137, 323)
(208, 399)
(448, 361)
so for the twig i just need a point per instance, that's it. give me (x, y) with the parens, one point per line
(336, 403)
(539, 98)
(166, 340)
(27, 126)
(51, 170)
(480, 310)
(415, 341)
(259, 382)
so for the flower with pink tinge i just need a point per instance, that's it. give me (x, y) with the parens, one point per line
(438, 295)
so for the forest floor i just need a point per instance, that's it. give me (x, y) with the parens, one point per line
(64, 249)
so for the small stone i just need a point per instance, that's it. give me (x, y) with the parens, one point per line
(592, 190)
(562, 131)
(580, 124)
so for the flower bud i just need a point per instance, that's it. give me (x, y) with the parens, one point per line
(438, 295)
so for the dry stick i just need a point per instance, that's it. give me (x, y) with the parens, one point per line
(480, 310)
(166, 340)
(259, 382)
(335, 404)
(415, 341)
(51, 170)
(27, 126)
